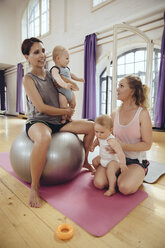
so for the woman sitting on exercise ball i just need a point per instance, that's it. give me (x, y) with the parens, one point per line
(44, 114)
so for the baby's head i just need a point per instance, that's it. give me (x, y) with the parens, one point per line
(60, 56)
(103, 126)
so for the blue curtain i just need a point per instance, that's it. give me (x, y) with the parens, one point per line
(19, 100)
(89, 98)
(2, 90)
(160, 102)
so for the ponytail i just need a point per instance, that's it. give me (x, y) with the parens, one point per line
(141, 92)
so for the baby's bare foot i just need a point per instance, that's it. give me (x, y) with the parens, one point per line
(110, 192)
(63, 121)
(34, 199)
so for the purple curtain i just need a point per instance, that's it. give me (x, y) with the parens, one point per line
(2, 90)
(160, 102)
(19, 102)
(89, 98)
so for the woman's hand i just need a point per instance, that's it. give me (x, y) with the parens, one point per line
(91, 149)
(121, 143)
(70, 111)
(110, 150)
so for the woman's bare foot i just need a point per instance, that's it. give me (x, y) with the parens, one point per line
(34, 199)
(110, 192)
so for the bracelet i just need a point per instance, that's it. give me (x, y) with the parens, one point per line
(64, 231)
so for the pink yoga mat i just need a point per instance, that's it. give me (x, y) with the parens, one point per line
(87, 206)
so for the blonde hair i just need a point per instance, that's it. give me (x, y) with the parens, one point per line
(141, 91)
(57, 51)
(105, 121)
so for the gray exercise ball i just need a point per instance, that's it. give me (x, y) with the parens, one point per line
(65, 158)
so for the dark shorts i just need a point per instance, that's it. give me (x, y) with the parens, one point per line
(54, 127)
(144, 164)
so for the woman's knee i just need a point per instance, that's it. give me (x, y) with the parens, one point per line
(43, 140)
(125, 188)
(99, 184)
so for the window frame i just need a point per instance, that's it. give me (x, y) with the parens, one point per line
(26, 17)
(100, 5)
(153, 90)
(149, 45)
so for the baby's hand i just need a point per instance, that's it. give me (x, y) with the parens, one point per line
(74, 86)
(68, 86)
(82, 80)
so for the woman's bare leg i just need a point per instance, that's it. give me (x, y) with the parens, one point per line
(111, 170)
(129, 181)
(86, 128)
(40, 134)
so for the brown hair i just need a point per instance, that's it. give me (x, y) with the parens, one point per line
(141, 91)
(58, 50)
(27, 44)
(105, 121)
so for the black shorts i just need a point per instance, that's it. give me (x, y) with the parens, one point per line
(144, 163)
(54, 127)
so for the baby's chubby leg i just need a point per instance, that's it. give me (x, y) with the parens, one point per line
(63, 104)
(72, 104)
(111, 170)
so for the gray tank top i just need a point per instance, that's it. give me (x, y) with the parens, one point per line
(49, 94)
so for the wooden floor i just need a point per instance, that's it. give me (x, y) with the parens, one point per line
(22, 226)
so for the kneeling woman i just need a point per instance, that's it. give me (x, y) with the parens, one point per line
(133, 128)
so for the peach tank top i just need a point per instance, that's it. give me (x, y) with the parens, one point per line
(129, 134)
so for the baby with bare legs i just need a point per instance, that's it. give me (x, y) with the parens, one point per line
(111, 163)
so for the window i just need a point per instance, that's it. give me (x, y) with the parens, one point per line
(35, 21)
(105, 92)
(96, 4)
(130, 62)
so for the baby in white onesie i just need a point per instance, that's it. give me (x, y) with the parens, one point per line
(111, 158)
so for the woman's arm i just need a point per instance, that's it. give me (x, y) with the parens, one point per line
(146, 134)
(118, 150)
(95, 143)
(37, 101)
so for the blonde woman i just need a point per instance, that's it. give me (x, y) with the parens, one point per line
(132, 126)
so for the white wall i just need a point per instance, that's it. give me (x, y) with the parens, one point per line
(71, 21)
(10, 26)
(8, 37)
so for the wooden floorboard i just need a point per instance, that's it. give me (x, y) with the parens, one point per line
(22, 226)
